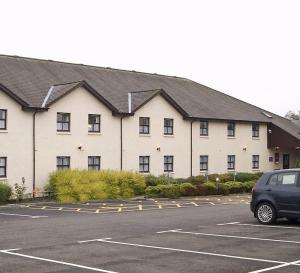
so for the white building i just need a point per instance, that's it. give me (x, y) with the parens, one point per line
(56, 115)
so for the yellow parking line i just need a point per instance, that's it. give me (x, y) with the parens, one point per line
(119, 209)
(140, 207)
(178, 205)
(78, 209)
(196, 205)
(159, 206)
(98, 210)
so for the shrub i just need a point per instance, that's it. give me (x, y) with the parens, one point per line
(152, 180)
(243, 177)
(84, 185)
(196, 180)
(223, 177)
(5, 192)
(208, 188)
(169, 191)
(187, 189)
(240, 187)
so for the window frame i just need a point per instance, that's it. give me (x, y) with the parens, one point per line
(94, 166)
(63, 122)
(204, 130)
(143, 164)
(4, 119)
(168, 170)
(91, 126)
(255, 130)
(168, 126)
(203, 163)
(233, 130)
(4, 167)
(255, 162)
(144, 129)
(63, 166)
(231, 163)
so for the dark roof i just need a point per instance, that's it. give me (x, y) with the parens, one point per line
(29, 81)
(297, 122)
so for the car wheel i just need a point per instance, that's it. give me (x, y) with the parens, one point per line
(265, 213)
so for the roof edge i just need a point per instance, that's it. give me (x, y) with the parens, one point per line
(13, 95)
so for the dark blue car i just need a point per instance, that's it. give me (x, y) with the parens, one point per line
(277, 195)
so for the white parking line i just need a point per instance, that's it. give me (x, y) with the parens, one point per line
(54, 261)
(23, 215)
(253, 225)
(275, 267)
(230, 236)
(186, 251)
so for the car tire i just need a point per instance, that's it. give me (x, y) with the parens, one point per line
(265, 213)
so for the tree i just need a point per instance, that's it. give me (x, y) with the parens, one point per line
(292, 115)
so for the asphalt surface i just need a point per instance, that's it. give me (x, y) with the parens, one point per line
(212, 236)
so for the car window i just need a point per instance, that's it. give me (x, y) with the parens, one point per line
(283, 179)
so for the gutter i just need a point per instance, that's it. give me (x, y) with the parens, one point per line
(121, 142)
(192, 148)
(33, 153)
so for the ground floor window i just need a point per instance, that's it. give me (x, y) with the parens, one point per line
(203, 162)
(255, 162)
(3, 164)
(231, 162)
(94, 163)
(168, 163)
(63, 163)
(144, 164)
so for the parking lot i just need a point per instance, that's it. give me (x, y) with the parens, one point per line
(187, 235)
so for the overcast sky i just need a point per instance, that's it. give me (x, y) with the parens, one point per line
(248, 49)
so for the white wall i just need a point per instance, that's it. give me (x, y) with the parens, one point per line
(217, 146)
(16, 142)
(178, 145)
(50, 143)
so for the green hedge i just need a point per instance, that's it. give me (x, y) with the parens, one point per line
(170, 190)
(84, 185)
(5, 192)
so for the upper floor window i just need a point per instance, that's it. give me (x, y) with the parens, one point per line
(231, 129)
(94, 163)
(203, 162)
(3, 119)
(63, 163)
(3, 165)
(144, 164)
(255, 162)
(144, 125)
(94, 123)
(168, 163)
(203, 128)
(63, 122)
(255, 129)
(168, 126)
(231, 162)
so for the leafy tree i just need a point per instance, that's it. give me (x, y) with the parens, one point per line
(292, 115)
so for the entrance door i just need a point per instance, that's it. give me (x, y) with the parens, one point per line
(286, 161)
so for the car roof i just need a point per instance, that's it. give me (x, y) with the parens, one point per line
(284, 170)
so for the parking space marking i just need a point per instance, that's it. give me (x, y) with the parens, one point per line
(9, 252)
(253, 225)
(106, 240)
(275, 267)
(230, 236)
(23, 215)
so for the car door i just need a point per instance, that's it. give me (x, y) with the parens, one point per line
(285, 189)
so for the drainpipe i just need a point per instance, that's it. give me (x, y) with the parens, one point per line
(33, 153)
(191, 148)
(121, 141)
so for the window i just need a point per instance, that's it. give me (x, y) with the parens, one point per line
(203, 128)
(144, 164)
(94, 163)
(168, 126)
(255, 130)
(63, 122)
(283, 179)
(231, 129)
(203, 162)
(231, 162)
(144, 125)
(3, 119)
(276, 157)
(168, 163)
(3, 165)
(255, 162)
(62, 163)
(94, 123)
